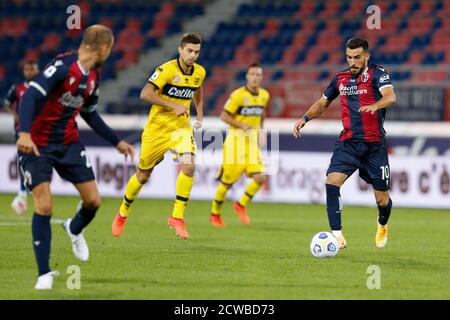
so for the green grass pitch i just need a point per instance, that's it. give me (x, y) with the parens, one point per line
(269, 259)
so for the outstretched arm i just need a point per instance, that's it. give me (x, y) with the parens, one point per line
(94, 120)
(314, 111)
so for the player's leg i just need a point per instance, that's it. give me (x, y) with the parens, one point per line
(37, 173)
(255, 169)
(384, 204)
(20, 202)
(133, 188)
(251, 189)
(344, 162)
(153, 147)
(86, 210)
(334, 204)
(227, 176)
(72, 164)
(185, 181)
(42, 233)
(377, 172)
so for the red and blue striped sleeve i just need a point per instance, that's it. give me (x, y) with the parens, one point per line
(332, 91)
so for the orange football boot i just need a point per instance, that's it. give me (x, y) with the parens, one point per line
(179, 226)
(118, 224)
(241, 212)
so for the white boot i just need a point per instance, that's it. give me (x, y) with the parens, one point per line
(79, 245)
(45, 282)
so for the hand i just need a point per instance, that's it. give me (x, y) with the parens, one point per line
(180, 109)
(26, 145)
(198, 122)
(127, 149)
(371, 108)
(298, 126)
(262, 139)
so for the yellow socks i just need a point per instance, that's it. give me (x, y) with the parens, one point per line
(131, 193)
(217, 203)
(183, 190)
(250, 191)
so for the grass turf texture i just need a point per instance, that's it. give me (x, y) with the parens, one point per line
(269, 259)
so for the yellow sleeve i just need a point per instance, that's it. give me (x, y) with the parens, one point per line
(268, 98)
(160, 77)
(203, 77)
(232, 104)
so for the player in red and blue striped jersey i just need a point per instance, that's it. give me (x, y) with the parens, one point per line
(366, 91)
(49, 139)
(11, 103)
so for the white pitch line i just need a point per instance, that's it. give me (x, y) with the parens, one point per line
(10, 224)
(27, 223)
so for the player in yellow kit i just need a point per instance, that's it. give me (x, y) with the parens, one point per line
(244, 112)
(170, 90)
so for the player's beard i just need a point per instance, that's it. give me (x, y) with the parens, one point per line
(188, 62)
(356, 72)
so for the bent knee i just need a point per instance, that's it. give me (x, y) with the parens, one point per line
(143, 175)
(93, 202)
(382, 201)
(44, 209)
(188, 169)
(259, 179)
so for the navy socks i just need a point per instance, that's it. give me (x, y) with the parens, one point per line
(82, 218)
(384, 213)
(42, 237)
(334, 206)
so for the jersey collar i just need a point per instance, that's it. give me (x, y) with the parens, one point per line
(181, 69)
(84, 72)
(252, 93)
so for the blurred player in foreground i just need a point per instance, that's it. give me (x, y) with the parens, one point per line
(366, 91)
(170, 90)
(244, 112)
(49, 139)
(11, 104)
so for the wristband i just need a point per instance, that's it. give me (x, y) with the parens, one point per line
(306, 118)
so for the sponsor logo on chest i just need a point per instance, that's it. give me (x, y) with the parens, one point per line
(70, 101)
(351, 90)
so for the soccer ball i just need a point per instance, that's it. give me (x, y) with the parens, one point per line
(324, 245)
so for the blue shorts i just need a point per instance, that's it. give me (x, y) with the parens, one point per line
(370, 158)
(69, 160)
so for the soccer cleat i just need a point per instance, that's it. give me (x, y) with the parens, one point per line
(179, 226)
(118, 224)
(45, 282)
(241, 212)
(216, 220)
(19, 205)
(79, 245)
(341, 240)
(381, 236)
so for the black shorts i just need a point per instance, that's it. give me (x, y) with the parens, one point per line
(69, 160)
(370, 158)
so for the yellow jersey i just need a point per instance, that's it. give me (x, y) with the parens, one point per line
(177, 86)
(247, 107)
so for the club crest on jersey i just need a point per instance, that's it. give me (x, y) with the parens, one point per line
(71, 81)
(176, 78)
(196, 81)
(365, 77)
